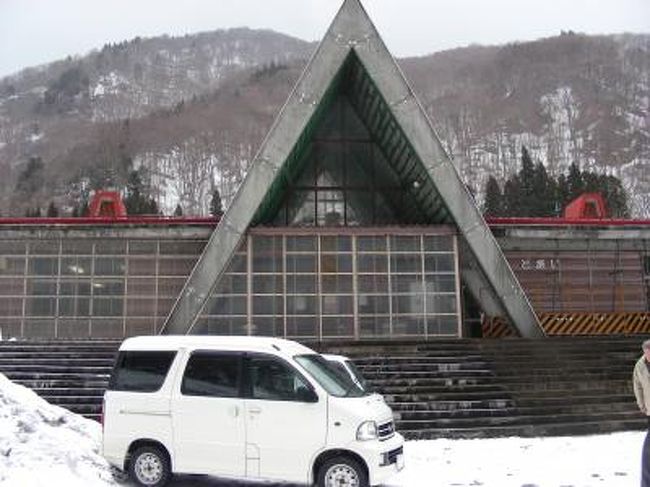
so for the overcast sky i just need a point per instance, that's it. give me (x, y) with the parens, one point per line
(33, 32)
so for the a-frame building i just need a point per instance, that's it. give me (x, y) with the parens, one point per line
(352, 221)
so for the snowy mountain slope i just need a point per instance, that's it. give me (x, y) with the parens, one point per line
(193, 111)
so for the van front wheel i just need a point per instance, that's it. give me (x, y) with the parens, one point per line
(342, 472)
(149, 466)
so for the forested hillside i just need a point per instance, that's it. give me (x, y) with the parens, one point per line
(189, 113)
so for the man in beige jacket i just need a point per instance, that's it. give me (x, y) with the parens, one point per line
(641, 381)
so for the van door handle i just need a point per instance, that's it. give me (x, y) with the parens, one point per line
(255, 410)
(234, 411)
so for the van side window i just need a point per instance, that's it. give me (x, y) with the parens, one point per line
(137, 371)
(274, 380)
(212, 375)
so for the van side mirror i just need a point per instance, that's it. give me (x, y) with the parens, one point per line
(303, 394)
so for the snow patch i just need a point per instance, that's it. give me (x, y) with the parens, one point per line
(43, 445)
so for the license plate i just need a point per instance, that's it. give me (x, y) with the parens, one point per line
(400, 462)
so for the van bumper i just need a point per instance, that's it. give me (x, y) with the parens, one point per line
(383, 458)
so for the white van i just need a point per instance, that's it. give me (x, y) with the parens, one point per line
(243, 407)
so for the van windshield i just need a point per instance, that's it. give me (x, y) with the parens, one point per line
(335, 382)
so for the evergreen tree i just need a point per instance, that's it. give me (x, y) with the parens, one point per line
(511, 197)
(178, 211)
(493, 198)
(31, 179)
(138, 200)
(575, 182)
(216, 206)
(52, 210)
(527, 197)
(544, 192)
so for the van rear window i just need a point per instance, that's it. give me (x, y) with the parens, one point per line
(140, 371)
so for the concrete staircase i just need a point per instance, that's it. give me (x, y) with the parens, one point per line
(483, 388)
(70, 374)
(445, 388)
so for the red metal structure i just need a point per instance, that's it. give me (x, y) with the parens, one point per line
(586, 206)
(107, 203)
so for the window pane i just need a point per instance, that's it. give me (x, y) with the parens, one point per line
(74, 306)
(39, 307)
(232, 284)
(267, 284)
(77, 247)
(341, 326)
(143, 247)
(301, 305)
(302, 326)
(74, 287)
(372, 305)
(371, 243)
(301, 263)
(408, 304)
(170, 286)
(175, 267)
(331, 243)
(372, 263)
(43, 266)
(105, 287)
(142, 267)
(109, 266)
(12, 286)
(337, 305)
(11, 307)
(108, 306)
(301, 284)
(336, 263)
(110, 247)
(438, 243)
(12, 247)
(273, 380)
(372, 326)
(12, 266)
(227, 305)
(268, 305)
(302, 209)
(211, 375)
(439, 263)
(140, 307)
(407, 283)
(372, 283)
(441, 283)
(76, 266)
(140, 371)
(182, 247)
(437, 303)
(141, 287)
(337, 284)
(44, 247)
(406, 263)
(405, 243)
(301, 244)
(41, 287)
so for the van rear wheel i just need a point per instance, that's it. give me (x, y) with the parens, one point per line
(342, 472)
(149, 466)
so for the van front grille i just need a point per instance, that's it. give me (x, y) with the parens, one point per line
(386, 430)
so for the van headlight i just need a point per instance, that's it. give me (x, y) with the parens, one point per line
(367, 431)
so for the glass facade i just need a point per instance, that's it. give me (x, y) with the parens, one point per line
(83, 286)
(297, 283)
(323, 285)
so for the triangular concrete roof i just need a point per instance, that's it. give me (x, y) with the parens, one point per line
(485, 270)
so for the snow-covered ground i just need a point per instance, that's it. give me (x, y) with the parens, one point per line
(44, 445)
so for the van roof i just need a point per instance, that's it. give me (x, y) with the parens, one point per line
(254, 344)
